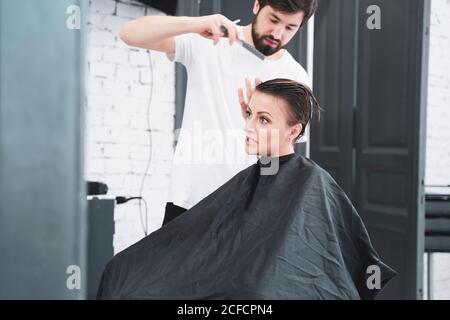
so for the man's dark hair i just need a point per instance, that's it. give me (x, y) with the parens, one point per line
(309, 7)
(300, 99)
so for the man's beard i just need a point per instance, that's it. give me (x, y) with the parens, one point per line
(260, 45)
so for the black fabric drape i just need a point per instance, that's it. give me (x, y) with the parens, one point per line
(289, 235)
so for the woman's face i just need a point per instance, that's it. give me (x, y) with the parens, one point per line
(267, 129)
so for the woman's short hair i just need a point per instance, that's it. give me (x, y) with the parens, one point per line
(300, 100)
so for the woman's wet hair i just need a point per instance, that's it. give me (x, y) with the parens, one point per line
(302, 104)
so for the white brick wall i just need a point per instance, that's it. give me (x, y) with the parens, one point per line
(119, 82)
(438, 124)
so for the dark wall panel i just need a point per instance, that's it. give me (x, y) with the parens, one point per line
(372, 87)
(42, 202)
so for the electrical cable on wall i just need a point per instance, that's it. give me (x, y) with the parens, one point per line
(145, 226)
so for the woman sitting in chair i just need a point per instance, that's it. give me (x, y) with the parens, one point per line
(280, 229)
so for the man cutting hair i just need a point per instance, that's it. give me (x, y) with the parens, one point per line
(210, 148)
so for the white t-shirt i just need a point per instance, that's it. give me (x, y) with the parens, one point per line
(211, 142)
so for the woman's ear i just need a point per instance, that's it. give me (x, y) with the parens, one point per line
(256, 7)
(295, 131)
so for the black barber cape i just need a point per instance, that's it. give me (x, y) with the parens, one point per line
(277, 230)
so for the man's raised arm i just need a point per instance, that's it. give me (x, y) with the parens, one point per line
(158, 32)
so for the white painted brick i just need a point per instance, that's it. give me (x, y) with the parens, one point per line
(161, 167)
(115, 180)
(94, 117)
(94, 54)
(116, 119)
(161, 122)
(145, 76)
(115, 88)
(139, 58)
(156, 181)
(164, 108)
(96, 21)
(122, 135)
(116, 56)
(139, 121)
(138, 167)
(139, 152)
(102, 6)
(140, 137)
(101, 38)
(116, 166)
(163, 151)
(140, 91)
(128, 104)
(117, 143)
(96, 165)
(163, 137)
(127, 74)
(130, 11)
(94, 86)
(103, 70)
(98, 101)
(116, 151)
(167, 79)
(99, 134)
(94, 150)
(114, 23)
(133, 182)
(165, 93)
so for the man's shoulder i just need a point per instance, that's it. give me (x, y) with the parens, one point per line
(298, 71)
